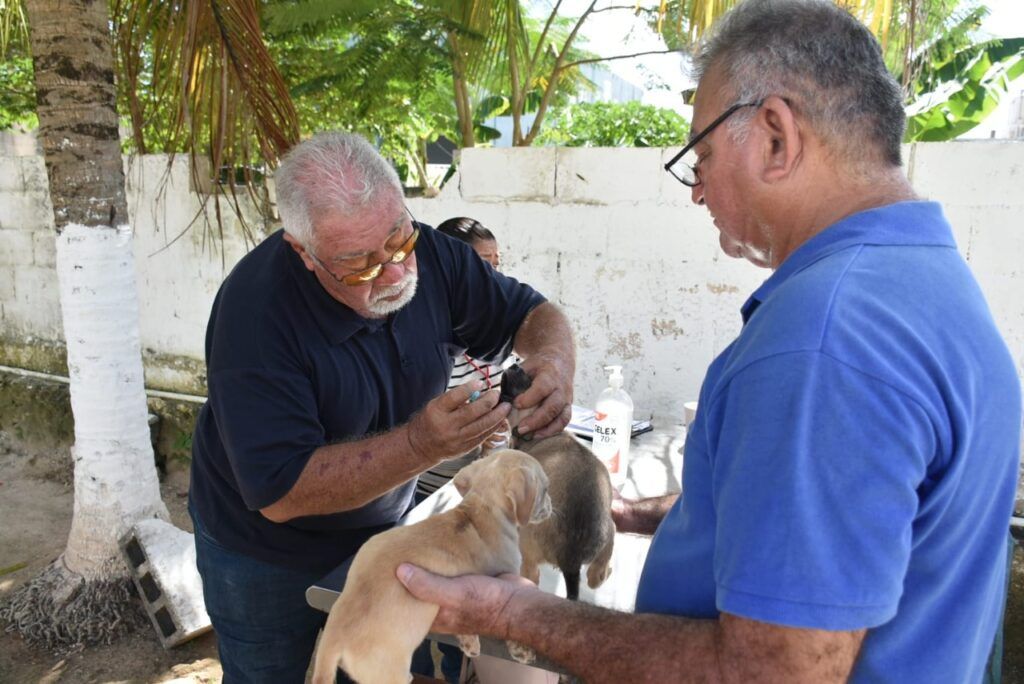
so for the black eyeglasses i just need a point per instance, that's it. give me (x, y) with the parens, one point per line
(370, 273)
(688, 174)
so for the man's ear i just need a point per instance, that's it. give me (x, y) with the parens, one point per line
(783, 138)
(300, 250)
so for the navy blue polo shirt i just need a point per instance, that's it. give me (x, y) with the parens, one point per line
(290, 369)
(853, 460)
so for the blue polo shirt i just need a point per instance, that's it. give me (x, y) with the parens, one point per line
(853, 460)
(290, 370)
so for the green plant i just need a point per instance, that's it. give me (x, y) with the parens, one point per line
(614, 124)
(183, 442)
(957, 90)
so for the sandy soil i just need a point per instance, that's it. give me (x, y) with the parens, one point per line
(35, 506)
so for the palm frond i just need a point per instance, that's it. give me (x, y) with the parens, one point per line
(13, 27)
(198, 78)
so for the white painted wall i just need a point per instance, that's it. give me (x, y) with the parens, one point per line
(604, 233)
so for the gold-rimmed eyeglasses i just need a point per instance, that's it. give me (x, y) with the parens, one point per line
(371, 273)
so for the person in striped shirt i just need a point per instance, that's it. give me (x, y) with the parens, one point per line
(466, 368)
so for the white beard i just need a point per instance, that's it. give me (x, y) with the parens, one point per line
(406, 288)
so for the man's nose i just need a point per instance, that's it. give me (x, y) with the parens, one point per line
(392, 273)
(697, 194)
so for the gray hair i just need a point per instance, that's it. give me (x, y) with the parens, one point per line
(330, 173)
(822, 60)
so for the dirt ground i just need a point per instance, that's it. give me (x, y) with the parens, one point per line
(35, 507)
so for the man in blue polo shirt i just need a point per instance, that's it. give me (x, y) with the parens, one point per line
(851, 469)
(328, 353)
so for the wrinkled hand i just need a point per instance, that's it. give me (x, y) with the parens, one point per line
(450, 425)
(471, 604)
(621, 512)
(550, 393)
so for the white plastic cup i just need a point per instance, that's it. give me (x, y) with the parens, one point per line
(689, 412)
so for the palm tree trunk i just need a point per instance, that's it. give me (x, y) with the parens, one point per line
(84, 597)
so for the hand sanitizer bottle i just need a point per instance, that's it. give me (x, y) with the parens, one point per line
(613, 426)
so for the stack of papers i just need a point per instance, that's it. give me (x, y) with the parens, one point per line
(582, 423)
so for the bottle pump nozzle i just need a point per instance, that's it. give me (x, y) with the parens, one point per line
(615, 378)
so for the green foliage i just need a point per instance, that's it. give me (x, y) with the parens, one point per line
(957, 90)
(614, 124)
(17, 93)
(379, 69)
(17, 88)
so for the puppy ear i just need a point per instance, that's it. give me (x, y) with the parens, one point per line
(521, 488)
(464, 478)
(541, 501)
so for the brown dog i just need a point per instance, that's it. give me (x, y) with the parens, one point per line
(375, 625)
(580, 529)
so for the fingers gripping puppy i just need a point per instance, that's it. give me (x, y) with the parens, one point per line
(376, 624)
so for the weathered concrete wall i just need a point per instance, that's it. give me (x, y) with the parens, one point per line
(616, 241)
(36, 421)
(605, 233)
(180, 259)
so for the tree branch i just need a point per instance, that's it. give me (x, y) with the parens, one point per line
(608, 59)
(555, 73)
(616, 7)
(543, 35)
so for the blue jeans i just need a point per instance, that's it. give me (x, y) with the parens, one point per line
(451, 661)
(266, 631)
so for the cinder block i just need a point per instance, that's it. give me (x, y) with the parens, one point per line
(15, 247)
(28, 211)
(11, 179)
(6, 285)
(503, 174)
(44, 248)
(35, 305)
(162, 562)
(33, 173)
(970, 172)
(598, 175)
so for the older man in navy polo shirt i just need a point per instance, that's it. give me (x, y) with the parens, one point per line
(328, 353)
(849, 476)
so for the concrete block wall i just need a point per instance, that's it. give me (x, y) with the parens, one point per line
(180, 262)
(605, 233)
(29, 306)
(617, 242)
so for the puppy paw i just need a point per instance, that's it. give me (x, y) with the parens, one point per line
(596, 576)
(470, 644)
(521, 654)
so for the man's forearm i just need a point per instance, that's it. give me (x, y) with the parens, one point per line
(546, 330)
(600, 645)
(643, 516)
(340, 477)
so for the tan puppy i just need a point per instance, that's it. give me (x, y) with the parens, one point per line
(375, 625)
(581, 530)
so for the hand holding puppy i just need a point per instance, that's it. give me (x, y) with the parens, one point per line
(470, 604)
(550, 395)
(455, 422)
